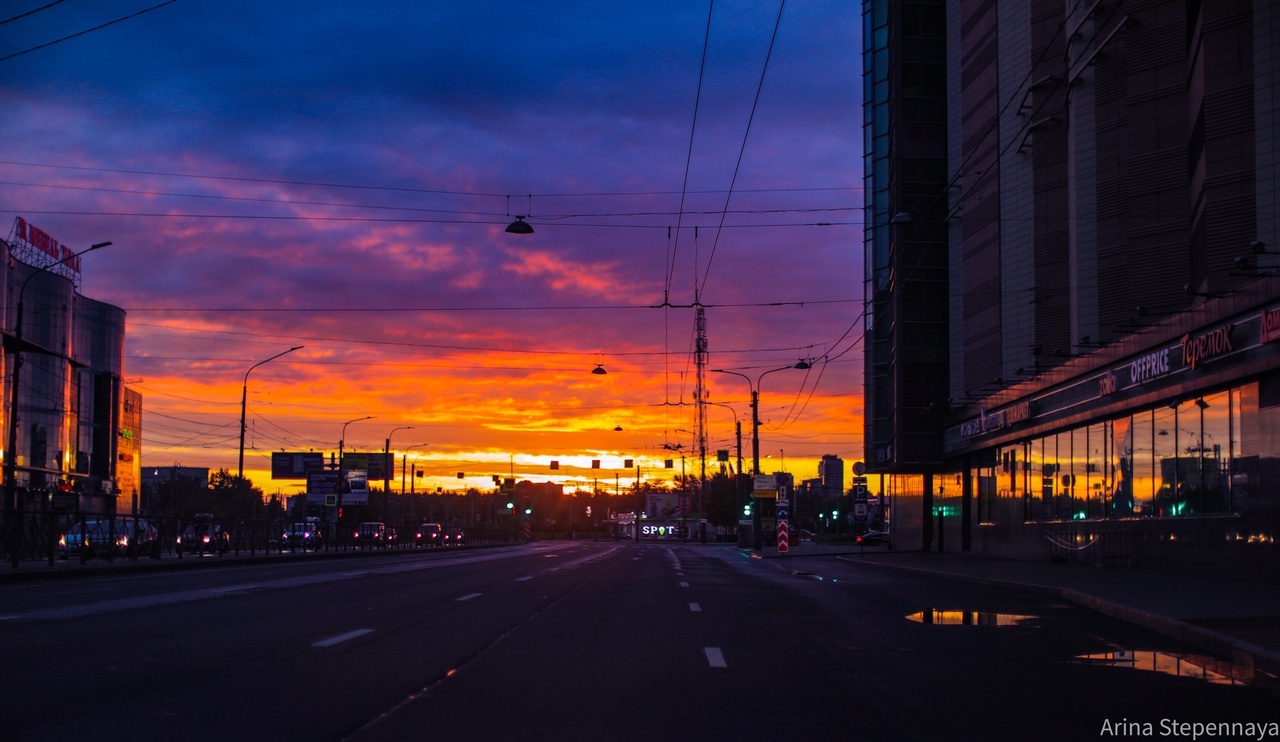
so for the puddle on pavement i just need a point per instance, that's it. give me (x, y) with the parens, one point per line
(1200, 667)
(968, 618)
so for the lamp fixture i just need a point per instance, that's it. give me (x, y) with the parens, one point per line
(599, 370)
(519, 226)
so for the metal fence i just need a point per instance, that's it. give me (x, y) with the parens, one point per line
(82, 538)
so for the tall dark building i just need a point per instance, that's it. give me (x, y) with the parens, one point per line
(831, 474)
(1071, 265)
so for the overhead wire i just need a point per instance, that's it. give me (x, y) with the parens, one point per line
(86, 31)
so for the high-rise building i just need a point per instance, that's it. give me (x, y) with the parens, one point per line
(1072, 330)
(831, 473)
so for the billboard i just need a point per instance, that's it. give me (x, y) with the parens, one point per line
(322, 485)
(378, 465)
(295, 465)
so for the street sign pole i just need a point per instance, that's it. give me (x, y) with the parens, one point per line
(784, 516)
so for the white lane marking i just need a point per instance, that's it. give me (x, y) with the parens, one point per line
(113, 605)
(468, 596)
(526, 578)
(684, 584)
(715, 657)
(695, 608)
(235, 588)
(342, 638)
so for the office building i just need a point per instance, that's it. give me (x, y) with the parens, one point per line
(1073, 309)
(77, 427)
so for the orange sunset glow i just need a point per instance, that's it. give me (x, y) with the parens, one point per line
(356, 205)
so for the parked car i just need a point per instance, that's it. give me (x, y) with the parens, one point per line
(121, 536)
(873, 538)
(370, 534)
(302, 536)
(205, 536)
(429, 535)
(454, 537)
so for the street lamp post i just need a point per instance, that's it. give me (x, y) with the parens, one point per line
(244, 398)
(755, 432)
(342, 471)
(11, 450)
(389, 465)
(737, 476)
(404, 466)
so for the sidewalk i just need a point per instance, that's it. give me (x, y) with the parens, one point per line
(1228, 615)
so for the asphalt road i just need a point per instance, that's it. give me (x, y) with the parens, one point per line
(586, 641)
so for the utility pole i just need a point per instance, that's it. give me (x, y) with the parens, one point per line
(700, 357)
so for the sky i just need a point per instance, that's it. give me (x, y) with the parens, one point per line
(339, 176)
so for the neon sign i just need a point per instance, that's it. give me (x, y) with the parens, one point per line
(40, 240)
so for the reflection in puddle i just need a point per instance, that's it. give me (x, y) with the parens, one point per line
(1201, 667)
(968, 618)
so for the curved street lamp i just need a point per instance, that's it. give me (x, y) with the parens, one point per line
(802, 365)
(342, 471)
(11, 450)
(389, 470)
(244, 398)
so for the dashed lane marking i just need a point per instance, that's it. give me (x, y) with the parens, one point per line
(468, 596)
(694, 607)
(715, 657)
(342, 638)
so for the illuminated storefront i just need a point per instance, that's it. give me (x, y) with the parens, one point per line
(1161, 448)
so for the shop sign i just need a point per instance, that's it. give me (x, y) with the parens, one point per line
(1207, 346)
(984, 424)
(1270, 325)
(1020, 412)
(1149, 367)
(1108, 384)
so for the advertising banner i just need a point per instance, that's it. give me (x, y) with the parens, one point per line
(295, 464)
(378, 465)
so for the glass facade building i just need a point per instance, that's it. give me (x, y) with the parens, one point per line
(1105, 315)
(78, 431)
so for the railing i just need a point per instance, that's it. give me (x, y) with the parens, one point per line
(82, 538)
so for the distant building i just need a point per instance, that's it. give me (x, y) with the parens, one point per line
(831, 473)
(1072, 331)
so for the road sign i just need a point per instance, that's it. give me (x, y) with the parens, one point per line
(783, 512)
(783, 542)
(859, 468)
